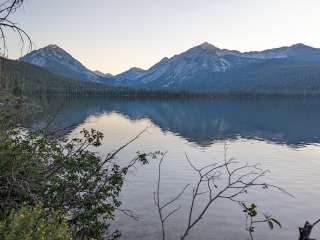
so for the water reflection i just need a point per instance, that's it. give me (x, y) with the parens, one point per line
(279, 123)
(285, 121)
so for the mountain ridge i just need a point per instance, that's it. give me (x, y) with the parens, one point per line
(206, 67)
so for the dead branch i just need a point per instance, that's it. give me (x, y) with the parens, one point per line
(7, 8)
(238, 179)
(227, 180)
(161, 207)
(306, 230)
(129, 213)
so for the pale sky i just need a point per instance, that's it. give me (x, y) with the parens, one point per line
(114, 35)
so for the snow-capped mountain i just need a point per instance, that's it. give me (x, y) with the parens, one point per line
(58, 61)
(209, 68)
(205, 67)
(203, 58)
(297, 50)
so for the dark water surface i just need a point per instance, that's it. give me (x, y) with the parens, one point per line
(281, 134)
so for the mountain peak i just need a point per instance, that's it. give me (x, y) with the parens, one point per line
(207, 45)
(136, 69)
(53, 46)
(300, 45)
(59, 61)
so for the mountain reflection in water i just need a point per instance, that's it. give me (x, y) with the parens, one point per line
(294, 122)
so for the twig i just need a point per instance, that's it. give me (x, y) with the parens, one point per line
(162, 207)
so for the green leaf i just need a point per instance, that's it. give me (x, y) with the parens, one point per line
(270, 224)
(276, 222)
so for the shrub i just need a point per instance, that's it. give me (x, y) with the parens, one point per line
(34, 223)
(65, 176)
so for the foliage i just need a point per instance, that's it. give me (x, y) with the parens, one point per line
(251, 214)
(65, 176)
(34, 223)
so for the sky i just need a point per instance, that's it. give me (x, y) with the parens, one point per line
(115, 35)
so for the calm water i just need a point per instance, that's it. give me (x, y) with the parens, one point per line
(282, 135)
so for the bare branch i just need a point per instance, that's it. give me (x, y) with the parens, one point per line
(238, 179)
(129, 213)
(112, 155)
(306, 230)
(6, 10)
(162, 207)
(316, 222)
(176, 198)
(171, 213)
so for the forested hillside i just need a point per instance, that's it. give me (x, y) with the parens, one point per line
(20, 78)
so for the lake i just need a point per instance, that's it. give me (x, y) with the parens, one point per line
(283, 135)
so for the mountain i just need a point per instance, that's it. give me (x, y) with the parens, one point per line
(60, 62)
(205, 67)
(295, 51)
(101, 74)
(128, 77)
(18, 78)
(22, 78)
